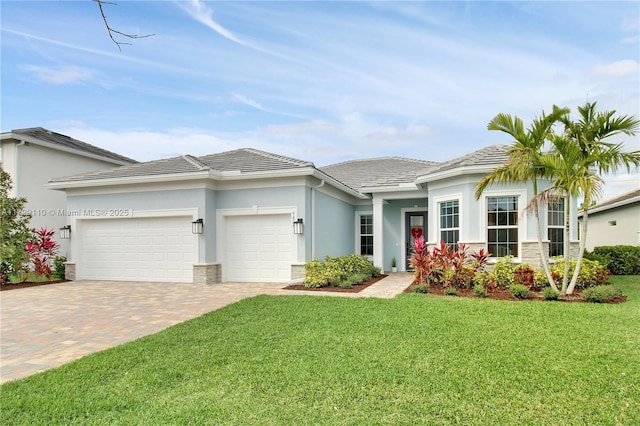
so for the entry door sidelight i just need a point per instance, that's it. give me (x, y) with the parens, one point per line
(415, 224)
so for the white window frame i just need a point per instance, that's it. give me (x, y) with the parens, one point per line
(522, 217)
(561, 226)
(358, 220)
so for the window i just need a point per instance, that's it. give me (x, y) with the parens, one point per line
(450, 222)
(555, 226)
(502, 226)
(366, 234)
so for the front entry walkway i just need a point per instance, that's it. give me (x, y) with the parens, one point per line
(47, 326)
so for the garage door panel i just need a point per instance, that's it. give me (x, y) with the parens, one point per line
(137, 249)
(258, 248)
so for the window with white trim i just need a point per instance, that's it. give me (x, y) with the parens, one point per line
(502, 226)
(365, 237)
(450, 222)
(555, 226)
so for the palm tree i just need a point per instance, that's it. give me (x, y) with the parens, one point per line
(571, 177)
(589, 133)
(523, 164)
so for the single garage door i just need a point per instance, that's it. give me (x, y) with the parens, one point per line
(137, 249)
(258, 248)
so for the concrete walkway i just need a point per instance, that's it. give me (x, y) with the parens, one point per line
(45, 327)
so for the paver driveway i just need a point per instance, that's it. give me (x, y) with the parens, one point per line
(47, 326)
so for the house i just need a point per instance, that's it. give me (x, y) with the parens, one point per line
(615, 221)
(33, 156)
(248, 215)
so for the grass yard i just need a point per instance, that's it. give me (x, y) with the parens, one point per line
(416, 359)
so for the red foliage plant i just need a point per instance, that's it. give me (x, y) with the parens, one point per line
(41, 250)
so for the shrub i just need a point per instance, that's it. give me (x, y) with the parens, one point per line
(540, 280)
(480, 291)
(621, 260)
(520, 291)
(600, 294)
(592, 273)
(524, 275)
(420, 288)
(451, 291)
(42, 250)
(58, 267)
(485, 279)
(343, 271)
(550, 294)
(503, 272)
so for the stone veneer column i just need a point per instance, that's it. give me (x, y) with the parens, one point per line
(298, 272)
(207, 273)
(531, 255)
(70, 271)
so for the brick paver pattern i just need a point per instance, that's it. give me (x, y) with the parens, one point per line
(47, 326)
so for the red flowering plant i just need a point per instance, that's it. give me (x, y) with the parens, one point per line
(41, 250)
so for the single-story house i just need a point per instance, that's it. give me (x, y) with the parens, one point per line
(615, 221)
(33, 156)
(248, 215)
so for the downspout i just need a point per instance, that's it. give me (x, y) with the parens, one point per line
(15, 168)
(312, 218)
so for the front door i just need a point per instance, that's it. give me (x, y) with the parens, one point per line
(415, 224)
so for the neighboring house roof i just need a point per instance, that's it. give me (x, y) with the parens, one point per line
(613, 203)
(480, 161)
(378, 172)
(41, 136)
(245, 160)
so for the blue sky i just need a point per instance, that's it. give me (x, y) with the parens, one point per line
(320, 81)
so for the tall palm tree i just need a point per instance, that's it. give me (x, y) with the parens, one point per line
(571, 177)
(523, 164)
(589, 133)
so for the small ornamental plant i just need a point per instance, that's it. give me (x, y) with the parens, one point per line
(42, 250)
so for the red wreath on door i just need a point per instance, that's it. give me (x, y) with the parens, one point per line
(416, 233)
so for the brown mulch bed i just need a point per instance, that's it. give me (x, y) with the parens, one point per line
(503, 294)
(15, 286)
(355, 289)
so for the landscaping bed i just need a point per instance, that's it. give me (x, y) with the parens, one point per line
(355, 289)
(505, 294)
(14, 286)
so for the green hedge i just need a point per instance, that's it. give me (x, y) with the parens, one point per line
(343, 271)
(619, 260)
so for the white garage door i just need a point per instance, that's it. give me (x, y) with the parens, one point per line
(137, 249)
(258, 248)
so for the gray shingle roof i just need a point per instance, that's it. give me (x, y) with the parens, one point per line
(377, 172)
(494, 155)
(248, 160)
(70, 143)
(245, 160)
(626, 197)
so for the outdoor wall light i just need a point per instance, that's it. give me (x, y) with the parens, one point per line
(298, 227)
(65, 232)
(197, 226)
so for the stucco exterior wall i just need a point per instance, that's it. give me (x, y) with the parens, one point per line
(35, 166)
(617, 226)
(334, 226)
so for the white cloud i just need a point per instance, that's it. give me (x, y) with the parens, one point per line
(618, 68)
(60, 75)
(248, 101)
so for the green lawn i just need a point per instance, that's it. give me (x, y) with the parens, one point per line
(416, 359)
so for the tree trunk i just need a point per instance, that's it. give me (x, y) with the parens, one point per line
(567, 258)
(543, 257)
(583, 243)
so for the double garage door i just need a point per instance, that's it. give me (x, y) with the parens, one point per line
(137, 249)
(253, 248)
